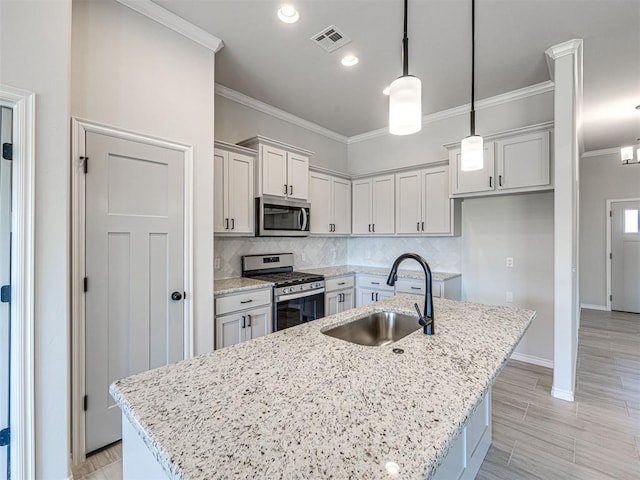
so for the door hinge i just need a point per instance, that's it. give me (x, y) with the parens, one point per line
(86, 164)
(5, 294)
(610, 297)
(85, 402)
(5, 437)
(610, 256)
(85, 284)
(7, 151)
(611, 213)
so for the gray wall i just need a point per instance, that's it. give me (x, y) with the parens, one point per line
(236, 122)
(132, 73)
(602, 178)
(35, 41)
(518, 226)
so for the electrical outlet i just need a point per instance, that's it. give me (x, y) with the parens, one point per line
(509, 297)
(510, 262)
(216, 263)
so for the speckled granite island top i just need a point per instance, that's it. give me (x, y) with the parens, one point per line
(353, 269)
(300, 404)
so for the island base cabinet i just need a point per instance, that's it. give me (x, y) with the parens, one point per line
(465, 456)
(137, 460)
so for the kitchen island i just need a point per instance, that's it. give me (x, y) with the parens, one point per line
(301, 404)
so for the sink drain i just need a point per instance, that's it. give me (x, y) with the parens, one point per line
(398, 350)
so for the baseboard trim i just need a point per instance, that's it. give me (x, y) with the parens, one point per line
(591, 306)
(566, 395)
(523, 357)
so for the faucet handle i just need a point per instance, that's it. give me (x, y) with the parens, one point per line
(422, 320)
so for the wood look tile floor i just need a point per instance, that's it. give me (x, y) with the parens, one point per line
(536, 436)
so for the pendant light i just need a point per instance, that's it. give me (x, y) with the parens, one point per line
(472, 148)
(405, 95)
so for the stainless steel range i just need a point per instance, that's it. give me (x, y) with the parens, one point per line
(298, 297)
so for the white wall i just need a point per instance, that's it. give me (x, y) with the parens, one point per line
(602, 177)
(236, 122)
(518, 226)
(35, 41)
(132, 73)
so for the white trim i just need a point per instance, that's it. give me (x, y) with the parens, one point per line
(560, 50)
(523, 357)
(328, 171)
(608, 292)
(79, 129)
(591, 306)
(566, 395)
(598, 153)
(496, 100)
(250, 102)
(172, 21)
(22, 421)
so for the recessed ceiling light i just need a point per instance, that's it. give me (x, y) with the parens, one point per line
(288, 14)
(386, 90)
(349, 60)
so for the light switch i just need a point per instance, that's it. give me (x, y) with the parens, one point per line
(510, 262)
(216, 263)
(509, 297)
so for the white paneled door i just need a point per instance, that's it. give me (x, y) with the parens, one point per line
(625, 256)
(134, 267)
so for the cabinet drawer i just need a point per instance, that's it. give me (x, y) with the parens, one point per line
(242, 301)
(373, 282)
(416, 287)
(339, 283)
(478, 426)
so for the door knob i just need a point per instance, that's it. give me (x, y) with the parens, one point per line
(176, 296)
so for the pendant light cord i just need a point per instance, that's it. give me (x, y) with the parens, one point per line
(473, 66)
(405, 45)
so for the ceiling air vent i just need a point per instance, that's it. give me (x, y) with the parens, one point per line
(330, 38)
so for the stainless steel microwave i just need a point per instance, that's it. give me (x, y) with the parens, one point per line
(281, 218)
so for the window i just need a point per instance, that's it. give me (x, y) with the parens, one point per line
(631, 221)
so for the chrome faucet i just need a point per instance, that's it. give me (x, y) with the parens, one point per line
(427, 318)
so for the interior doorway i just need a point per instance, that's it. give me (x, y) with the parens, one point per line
(624, 255)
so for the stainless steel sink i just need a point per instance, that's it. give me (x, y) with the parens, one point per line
(377, 329)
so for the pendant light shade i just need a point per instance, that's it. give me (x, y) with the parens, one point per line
(472, 151)
(405, 105)
(626, 154)
(405, 95)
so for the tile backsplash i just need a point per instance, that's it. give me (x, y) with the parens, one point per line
(443, 254)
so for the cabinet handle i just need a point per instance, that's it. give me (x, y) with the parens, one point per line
(233, 224)
(416, 288)
(334, 227)
(376, 296)
(375, 283)
(373, 227)
(226, 224)
(342, 283)
(372, 297)
(423, 226)
(340, 299)
(249, 317)
(290, 189)
(285, 188)
(246, 301)
(500, 180)
(418, 226)
(244, 320)
(490, 181)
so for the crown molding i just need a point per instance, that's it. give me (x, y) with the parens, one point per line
(569, 47)
(250, 102)
(598, 153)
(172, 21)
(496, 100)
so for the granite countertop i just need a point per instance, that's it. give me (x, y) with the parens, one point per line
(238, 284)
(402, 273)
(300, 404)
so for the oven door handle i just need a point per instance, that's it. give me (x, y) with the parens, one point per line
(293, 296)
(304, 219)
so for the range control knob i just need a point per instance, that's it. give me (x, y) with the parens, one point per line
(286, 290)
(302, 287)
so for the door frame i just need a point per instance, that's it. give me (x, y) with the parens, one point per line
(608, 247)
(22, 383)
(79, 129)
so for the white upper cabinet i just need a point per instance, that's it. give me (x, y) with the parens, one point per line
(282, 170)
(373, 206)
(423, 206)
(233, 190)
(330, 199)
(515, 162)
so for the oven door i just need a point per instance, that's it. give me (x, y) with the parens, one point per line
(292, 310)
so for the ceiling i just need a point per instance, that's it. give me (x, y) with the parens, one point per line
(276, 63)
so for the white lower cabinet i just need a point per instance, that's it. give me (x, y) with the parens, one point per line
(372, 288)
(339, 295)
(242, 317)
(450, 288)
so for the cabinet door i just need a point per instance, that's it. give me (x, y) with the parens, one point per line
(230, 329)
(382, 295)
(366, 297)
(523, 161)
(298, 176)
(408, 202)
(274, 171)
(361, 213)
(383, 204)
(436, 202)
(240, 193)
(341, 206)
(472, 182)
(319, 197)
(332, 303)
(347, 300)
(220, 212)
(258, 323)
